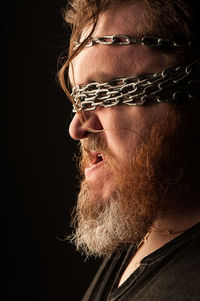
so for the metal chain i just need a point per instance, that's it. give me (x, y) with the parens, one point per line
(127, 40)
(176, 84)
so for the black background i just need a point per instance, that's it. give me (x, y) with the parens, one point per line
(39, 176)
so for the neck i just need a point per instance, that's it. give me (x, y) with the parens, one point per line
(176, 221)
(180, 219)
(169, 226)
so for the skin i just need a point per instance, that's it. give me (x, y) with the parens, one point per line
(102, 63)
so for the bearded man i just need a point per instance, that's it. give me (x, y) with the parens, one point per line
(134, 70)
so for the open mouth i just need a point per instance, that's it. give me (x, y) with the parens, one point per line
(96, 162)
(97, 158)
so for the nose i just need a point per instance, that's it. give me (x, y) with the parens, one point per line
(82, 125)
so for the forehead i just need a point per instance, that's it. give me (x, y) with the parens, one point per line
(127, 18)
(102, 63)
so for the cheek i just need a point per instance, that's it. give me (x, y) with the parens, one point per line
(122, 141)
(125, 128)
(125, 120)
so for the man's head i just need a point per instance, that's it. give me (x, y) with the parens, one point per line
(135, 159)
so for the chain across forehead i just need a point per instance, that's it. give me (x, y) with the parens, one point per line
(178, 84)
(127, 40)
(172, 84)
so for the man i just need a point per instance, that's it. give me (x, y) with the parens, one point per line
(137, 124)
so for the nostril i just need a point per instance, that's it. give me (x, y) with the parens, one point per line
(80, 128)
(84, 124)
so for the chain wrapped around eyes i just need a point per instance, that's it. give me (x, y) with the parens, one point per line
(178, 84)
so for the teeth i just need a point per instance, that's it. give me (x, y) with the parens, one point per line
(100, 156)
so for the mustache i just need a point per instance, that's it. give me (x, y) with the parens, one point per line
(87, 147)
(93, 143)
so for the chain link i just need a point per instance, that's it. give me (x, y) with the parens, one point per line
(127, 40)
(173, 84)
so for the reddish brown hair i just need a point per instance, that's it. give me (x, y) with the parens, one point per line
(163, 18)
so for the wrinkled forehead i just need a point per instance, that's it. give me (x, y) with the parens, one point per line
(127, 18)
(124, 26)
(121, 20)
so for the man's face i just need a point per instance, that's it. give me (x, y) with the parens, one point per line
(122, 125)
(123, 129)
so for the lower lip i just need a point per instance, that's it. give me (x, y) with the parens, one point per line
(89, 171)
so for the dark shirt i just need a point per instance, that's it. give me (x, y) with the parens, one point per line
(170, 273)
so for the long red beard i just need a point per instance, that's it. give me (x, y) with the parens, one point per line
(146, 185)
